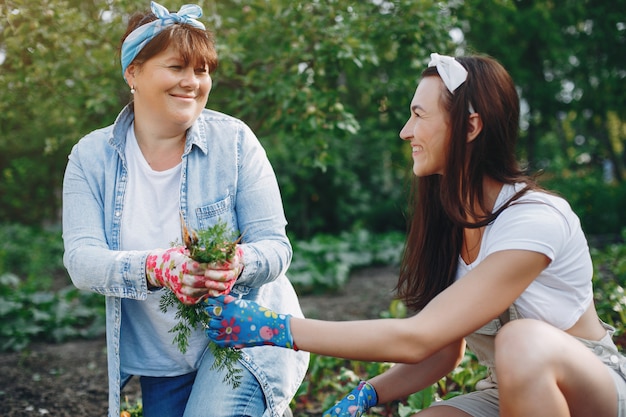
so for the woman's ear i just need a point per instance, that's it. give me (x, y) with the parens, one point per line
(475, 126)
(129, 75)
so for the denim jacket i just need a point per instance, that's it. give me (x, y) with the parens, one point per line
(225, 176)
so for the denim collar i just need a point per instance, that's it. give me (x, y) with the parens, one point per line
(195, 134)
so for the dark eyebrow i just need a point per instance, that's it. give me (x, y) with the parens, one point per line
(416, 107)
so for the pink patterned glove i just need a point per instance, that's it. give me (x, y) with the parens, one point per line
(220, 277)
(172, 268)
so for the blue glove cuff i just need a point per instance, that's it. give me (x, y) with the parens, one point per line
(367, 393)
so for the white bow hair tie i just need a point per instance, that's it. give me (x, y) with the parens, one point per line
(452, 73)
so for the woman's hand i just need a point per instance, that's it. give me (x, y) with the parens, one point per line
(357, 402)
(220, 277)
(174, 269)
(242, 323)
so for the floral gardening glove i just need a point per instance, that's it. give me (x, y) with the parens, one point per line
(222, 276)
(357, 402)
(172, 268)
(239, 323)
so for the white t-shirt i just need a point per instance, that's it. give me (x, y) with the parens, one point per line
(543, 223)
(151, 220)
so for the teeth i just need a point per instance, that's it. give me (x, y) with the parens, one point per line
(416, 148)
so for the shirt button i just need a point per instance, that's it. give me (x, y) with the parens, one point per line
(118, 214)
(614, 359)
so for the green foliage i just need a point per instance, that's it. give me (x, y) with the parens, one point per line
(226, 358)
(33, 254)
(609, 283)
(329, 379)
(189, 316)
(59, 79)
(36, 300)
(28, 312)
(324, 262)
(600, 205)
(326, 87)
(28, 315)
(561, 56)
(131, 410)
(216, 244)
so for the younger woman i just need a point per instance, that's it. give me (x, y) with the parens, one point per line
(491, 260)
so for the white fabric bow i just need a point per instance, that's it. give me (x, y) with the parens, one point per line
(452, 73)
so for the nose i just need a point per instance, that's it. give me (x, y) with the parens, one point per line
(189, 78)
(407, 131)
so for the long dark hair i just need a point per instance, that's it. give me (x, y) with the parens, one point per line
(441, 206)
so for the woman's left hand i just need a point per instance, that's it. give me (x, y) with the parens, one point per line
(220, 277)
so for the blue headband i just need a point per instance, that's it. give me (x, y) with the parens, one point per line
(139, 37)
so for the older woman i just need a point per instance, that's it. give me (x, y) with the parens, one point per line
(127, 187)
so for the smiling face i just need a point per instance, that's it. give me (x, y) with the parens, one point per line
(169, 94)
(427, 129)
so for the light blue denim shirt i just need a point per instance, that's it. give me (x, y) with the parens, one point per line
(225, 175)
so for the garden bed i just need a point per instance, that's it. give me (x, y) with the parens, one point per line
(70, 379)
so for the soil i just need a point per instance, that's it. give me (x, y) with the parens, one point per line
(70, 379)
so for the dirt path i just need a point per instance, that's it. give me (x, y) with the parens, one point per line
(70, 379)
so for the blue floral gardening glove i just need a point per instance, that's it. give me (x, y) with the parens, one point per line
(239, 323)
(357, 402)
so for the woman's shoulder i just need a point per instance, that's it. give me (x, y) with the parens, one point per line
(214, 126)
(538, 208)
(547, 198)
(543, 199)
(96, 141)
(110, 135)
(214, 116)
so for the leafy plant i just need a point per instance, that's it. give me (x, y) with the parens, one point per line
(32, 309)
(324, 262)
(37, 300)
(131, 410)
(609, 281)
(28, 315)
(216, 244)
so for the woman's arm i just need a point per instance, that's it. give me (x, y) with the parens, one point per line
(89, 260)
(260, 216)
(402, 380)
(399, 382)
(481, 295)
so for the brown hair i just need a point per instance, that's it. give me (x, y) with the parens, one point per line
(196, 46)
(442, 204)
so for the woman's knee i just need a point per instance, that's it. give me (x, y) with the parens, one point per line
(211, 396)
(519, 351)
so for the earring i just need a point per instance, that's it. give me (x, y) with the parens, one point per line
(132, 89)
